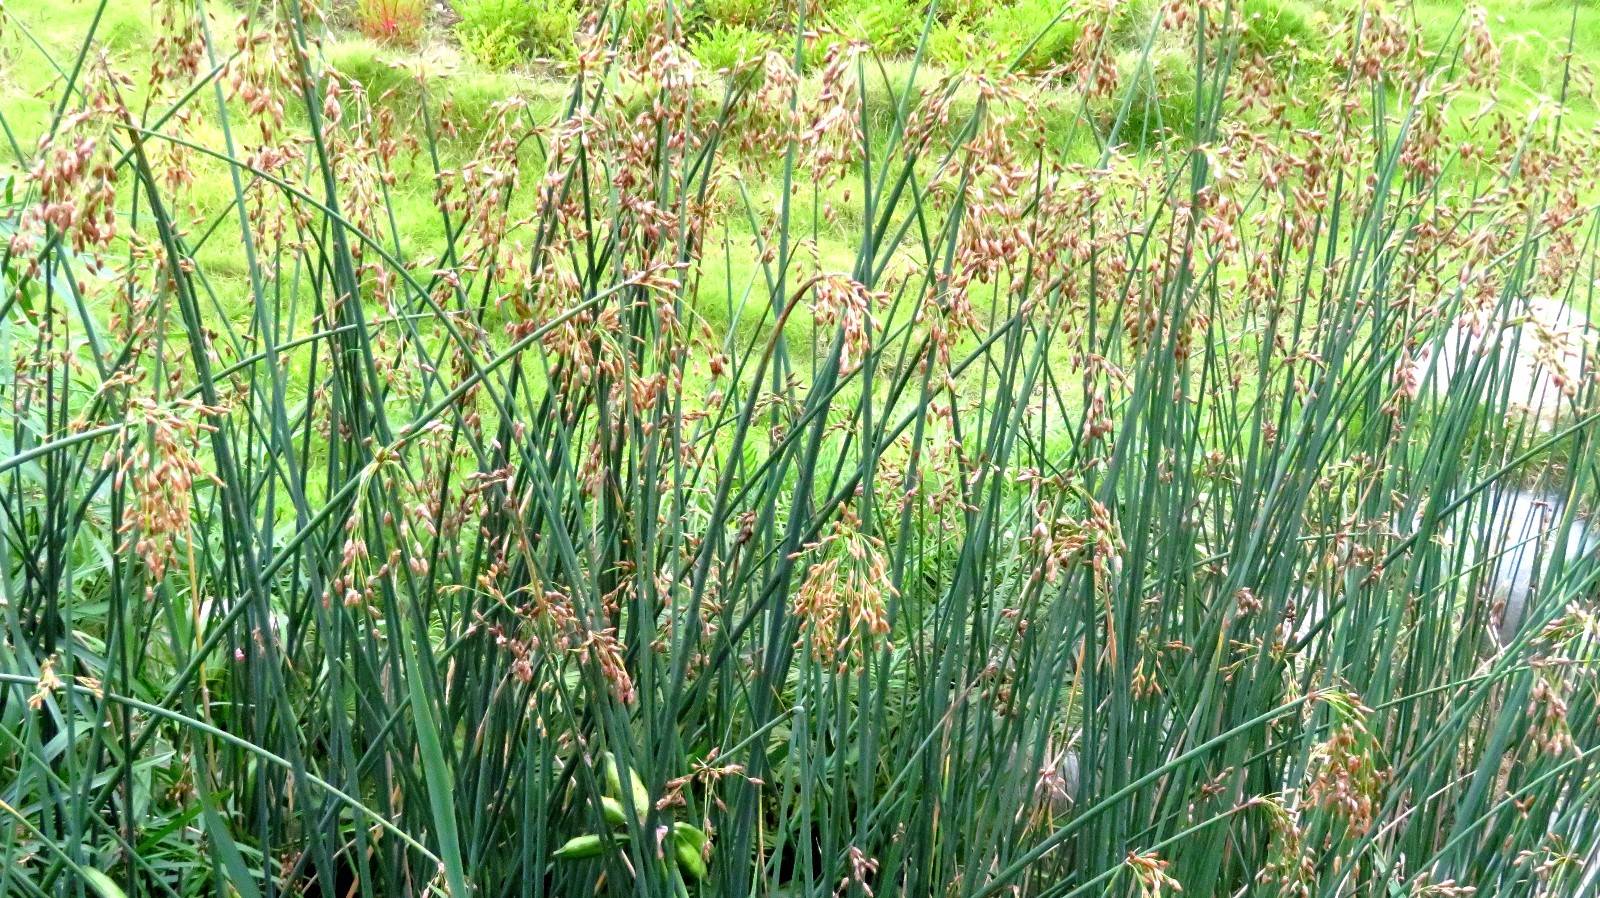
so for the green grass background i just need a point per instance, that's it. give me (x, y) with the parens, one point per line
(1533, 36)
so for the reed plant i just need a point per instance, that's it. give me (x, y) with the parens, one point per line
(754, 484)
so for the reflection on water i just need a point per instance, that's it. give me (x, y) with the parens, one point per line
(1506, 545)
(1519, 536)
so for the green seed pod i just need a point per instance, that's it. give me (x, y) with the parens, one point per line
(687, 843)
(578, 847)
(689, 832)
(104, 886)
(612, 810)
(641, 795)
(608, 770)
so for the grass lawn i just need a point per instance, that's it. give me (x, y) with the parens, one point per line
(1532, 38)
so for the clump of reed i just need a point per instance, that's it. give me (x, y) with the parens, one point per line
(863, 501)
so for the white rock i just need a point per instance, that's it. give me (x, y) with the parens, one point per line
(1546, 349)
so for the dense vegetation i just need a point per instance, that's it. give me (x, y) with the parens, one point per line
(787, 469)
